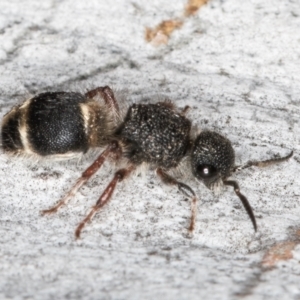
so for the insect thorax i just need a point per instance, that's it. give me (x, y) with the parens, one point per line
(156, 134)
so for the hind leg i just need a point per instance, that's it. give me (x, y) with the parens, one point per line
(112, 149)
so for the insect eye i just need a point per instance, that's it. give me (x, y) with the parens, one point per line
(206, 171)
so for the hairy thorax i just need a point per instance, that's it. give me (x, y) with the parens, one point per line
(155, 134)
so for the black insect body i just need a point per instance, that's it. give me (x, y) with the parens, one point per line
(61, 124)
(156, 134)
(212, 159)
(56, 123)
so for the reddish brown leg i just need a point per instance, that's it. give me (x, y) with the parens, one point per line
(107, 94)
(113, 148)
(185, 110)
(104, 198)
(184, 189)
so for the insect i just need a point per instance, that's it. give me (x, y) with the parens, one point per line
(61, 124)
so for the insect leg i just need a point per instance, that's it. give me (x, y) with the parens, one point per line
(184, 189)
(105, 197)
(108, 95)
(185, 110)
(113, 148)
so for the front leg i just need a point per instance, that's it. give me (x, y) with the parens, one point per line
(184, 189)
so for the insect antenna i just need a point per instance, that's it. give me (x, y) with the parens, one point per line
(264, 163)
(244, 200)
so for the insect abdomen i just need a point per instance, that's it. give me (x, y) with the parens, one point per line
(54, 123)
(11, 137)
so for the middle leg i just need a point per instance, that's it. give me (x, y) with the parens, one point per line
(105, 197)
